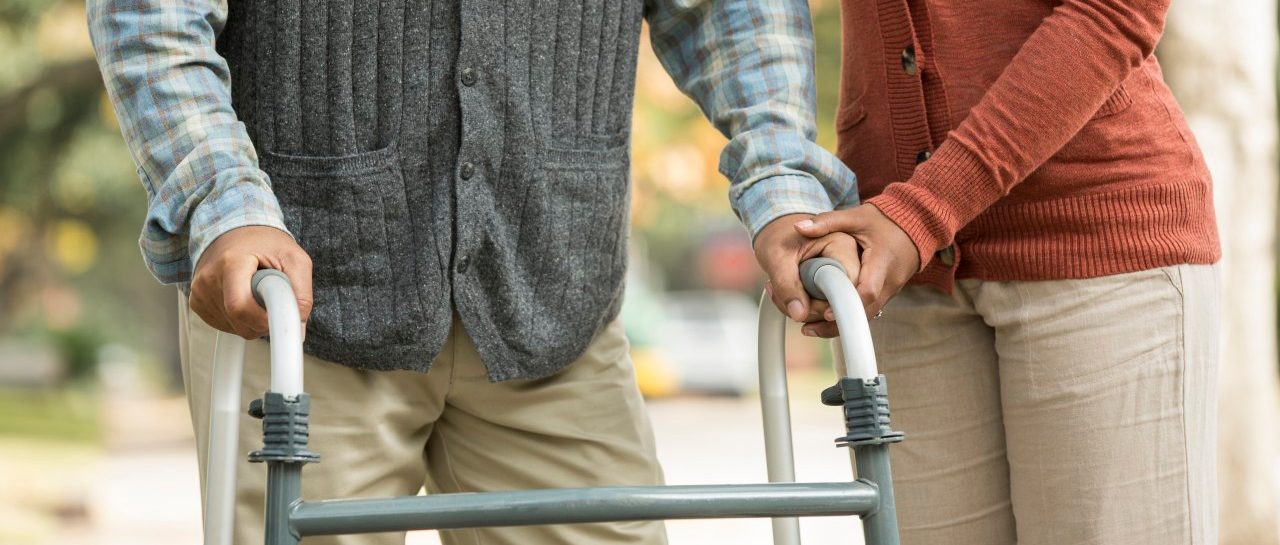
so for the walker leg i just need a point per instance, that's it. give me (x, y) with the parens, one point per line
(880, 527)
(284, 489)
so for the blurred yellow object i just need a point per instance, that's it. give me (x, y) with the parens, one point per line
(74, 245)
(654, 375)
(13, 227)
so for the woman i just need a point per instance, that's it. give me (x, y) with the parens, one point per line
(1030, 179)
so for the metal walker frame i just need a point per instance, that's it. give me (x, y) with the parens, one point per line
(284, 410)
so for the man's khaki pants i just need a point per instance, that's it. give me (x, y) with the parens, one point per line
(387, 433)
(1056, 413)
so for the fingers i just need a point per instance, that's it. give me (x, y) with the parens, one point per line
(843, 249)
(788, 293)
(819, 310)
(871, 280)
(297, 266)
(221, 291)
(825, 329)
(847, 221)
(246, 318)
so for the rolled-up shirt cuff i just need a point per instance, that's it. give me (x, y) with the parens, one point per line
(770, 198)
(241, 205)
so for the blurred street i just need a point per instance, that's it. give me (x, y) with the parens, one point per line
(146, 492)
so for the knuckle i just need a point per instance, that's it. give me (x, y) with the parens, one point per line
(299, 257)
(224, 261)
(240, 313)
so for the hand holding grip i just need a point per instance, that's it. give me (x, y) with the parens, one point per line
(826, 278)
(809, 272)
(272, 290)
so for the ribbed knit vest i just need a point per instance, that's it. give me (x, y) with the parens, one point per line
(465, 156)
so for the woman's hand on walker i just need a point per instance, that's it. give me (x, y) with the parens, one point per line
(889, 257)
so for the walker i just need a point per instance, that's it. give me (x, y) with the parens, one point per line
(285, 406)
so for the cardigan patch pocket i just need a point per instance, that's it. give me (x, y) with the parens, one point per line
(350, 215)
(581, 215)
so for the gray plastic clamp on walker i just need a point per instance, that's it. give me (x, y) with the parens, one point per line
(866, 411)
(261, 275)
(809, 272)
(284, 429)
(866, 404)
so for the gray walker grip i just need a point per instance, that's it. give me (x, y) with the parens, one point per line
(259, 277)
(809, 272)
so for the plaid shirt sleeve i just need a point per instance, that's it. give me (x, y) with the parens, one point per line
(749, 66)
(171, 93)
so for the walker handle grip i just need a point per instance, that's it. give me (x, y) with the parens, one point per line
(272, 289)
(261, 275)
(809, 272)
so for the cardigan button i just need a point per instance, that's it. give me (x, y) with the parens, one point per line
(909, 60)
(468, 77)
(923, 156)
(947, 255)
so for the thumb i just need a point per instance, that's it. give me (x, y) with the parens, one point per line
(788, 293)
(828, 222)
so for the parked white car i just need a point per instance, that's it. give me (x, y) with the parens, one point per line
(707, 339)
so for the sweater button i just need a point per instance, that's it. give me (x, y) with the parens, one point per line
(468, 77)
(466, 171)
(923, 156)
(463, 263)
(947, 255)
(909, 60)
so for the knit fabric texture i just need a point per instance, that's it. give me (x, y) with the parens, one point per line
(1035, 141)
(434, 159)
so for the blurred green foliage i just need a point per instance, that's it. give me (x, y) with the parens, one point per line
(70, 202)
(70, 414)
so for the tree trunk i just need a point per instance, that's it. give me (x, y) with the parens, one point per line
(1220, 59)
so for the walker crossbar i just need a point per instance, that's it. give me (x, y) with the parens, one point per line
(580, 505)
(289, 518)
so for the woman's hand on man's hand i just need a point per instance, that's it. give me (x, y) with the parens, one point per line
(780, 248)
(889, 257)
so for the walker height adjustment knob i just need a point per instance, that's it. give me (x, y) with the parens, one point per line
(256, 410)
(284, 429)
(866, 411)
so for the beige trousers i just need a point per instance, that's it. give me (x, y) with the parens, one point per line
(1056, 413)
(385, 433)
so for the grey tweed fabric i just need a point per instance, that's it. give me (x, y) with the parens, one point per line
(443, 156)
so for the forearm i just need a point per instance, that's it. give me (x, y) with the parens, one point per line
(749, 66)
(171, 92)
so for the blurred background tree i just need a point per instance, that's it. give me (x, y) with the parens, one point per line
(1220, 59)
(70, 202)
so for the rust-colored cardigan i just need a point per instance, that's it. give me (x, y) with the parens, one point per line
(1023, 140)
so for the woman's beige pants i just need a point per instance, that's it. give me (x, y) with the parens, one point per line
(1066, 412)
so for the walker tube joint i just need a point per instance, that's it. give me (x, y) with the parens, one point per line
(284, 429)
(866, 412)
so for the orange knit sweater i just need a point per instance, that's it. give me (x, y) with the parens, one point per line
(1027, 140)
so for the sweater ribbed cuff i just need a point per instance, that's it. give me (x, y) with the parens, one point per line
(943, 195)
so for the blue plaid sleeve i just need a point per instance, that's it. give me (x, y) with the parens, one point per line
(749, 66)
(171, 93)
